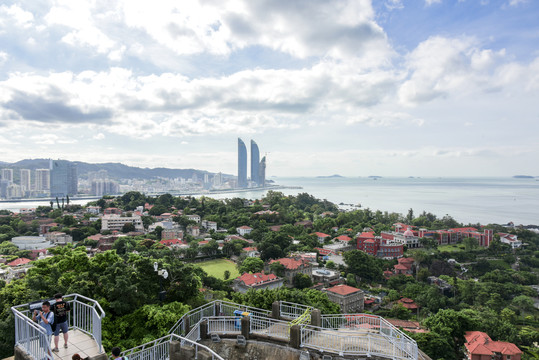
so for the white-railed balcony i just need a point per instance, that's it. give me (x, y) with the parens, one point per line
(84, 321)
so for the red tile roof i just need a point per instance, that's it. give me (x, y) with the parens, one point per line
(171, 242)
(290, 263)
(343, 238)
(369, 234)
(18, 262)
(343, 289)
(321, 235)
(245, 227)
(256, 278)
(250, 248)
(479, 343)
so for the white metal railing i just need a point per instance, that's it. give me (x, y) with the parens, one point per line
(159, 349)
(194, 317)
(224, 325)
(228, 308)
(31, 337)
(194, 334)
(374, 324)
(270, 327)
(355, 344)
(86, 315)
(292, 310)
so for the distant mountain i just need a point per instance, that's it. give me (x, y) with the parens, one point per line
(330, 176)
(114, 170)
(523, 177)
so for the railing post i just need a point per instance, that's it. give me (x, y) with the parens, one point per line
(295, 336)
(203, 329)
(246, 326)
(316, 318)
(187, 325)
(276, 310)
(217, 309)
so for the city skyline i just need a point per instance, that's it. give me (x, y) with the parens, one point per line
(355, 87)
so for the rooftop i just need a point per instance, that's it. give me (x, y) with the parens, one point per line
(343, 289)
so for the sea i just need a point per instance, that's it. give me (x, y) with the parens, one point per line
(467, 200)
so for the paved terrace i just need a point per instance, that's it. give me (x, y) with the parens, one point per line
(84, 331)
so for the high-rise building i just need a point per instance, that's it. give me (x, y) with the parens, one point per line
(43, 179)
(25, 181)
(255, 159)
(102, 187)
(64, 180)
(7, 174)
(262, 172)
(242, 164)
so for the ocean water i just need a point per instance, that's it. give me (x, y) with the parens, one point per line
(468, 200)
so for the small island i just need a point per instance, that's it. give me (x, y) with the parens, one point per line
(330, 176)
(523, 177)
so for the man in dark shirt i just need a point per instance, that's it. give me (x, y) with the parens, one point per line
(61, 309)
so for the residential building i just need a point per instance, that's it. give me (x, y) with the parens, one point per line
(326, 276)
(321, 237)
(244, 230)
(292, 267)
(242, 164)
(100, 187)
(511, 240)
(479, 346)
(93, 210)
(59, 238)
(115, 222)
(31, 242)
(256, 281)
(64, 180)
(209, 225)
(169, 234)
(379, 246)
(345, 241)
(25, 181)
(404, 267)
(255, 165)
(251, 251)
(7, 174)
(43, 180)
(112, 211)
(350, 299)
(193, 217)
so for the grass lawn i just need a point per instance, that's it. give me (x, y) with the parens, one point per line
(450, 248)
(217, 268)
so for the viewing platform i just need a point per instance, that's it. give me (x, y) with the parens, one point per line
(84, 321)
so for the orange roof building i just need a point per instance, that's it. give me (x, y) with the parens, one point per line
(350, 299)
(479, 346)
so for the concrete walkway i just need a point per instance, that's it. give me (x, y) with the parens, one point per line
(78, 343)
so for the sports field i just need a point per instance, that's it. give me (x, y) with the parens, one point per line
(217, 268)
(450, 248)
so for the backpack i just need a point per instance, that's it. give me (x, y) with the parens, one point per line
(53, 325)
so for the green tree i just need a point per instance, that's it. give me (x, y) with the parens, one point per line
(470, 243)
(302, 281)
(363, 265)
(128, 227)
(251, 265)
(227, 274)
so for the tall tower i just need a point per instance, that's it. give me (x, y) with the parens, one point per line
(64, 180)
(7, 174)
(242, 164)
(43, 179)
(255, 159)
(262, 172)
(25, 180)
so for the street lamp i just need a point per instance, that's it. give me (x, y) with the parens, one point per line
(164, 274)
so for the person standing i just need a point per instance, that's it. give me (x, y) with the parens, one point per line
(116, 354)
(45, 318)
(60, 309)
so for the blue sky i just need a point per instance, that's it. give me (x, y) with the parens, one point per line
(392, 88)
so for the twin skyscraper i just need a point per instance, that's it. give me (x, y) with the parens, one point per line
(258, 167)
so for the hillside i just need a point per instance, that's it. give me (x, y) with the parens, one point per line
(115, 170)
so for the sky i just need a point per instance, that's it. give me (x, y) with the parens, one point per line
(349, 87)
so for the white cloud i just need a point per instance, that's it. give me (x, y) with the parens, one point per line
(517, 2)
(430, 2)
(99, 136)
(3, 57)
(15, 14)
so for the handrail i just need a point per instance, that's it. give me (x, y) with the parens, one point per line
(31, 336)
(84, 317)
(159, 349)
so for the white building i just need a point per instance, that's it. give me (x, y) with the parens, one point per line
(193, 217)
(116, 222)
(209, 225)
(31, 242)
(511, 240)
(43, 179)
(244, 230)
